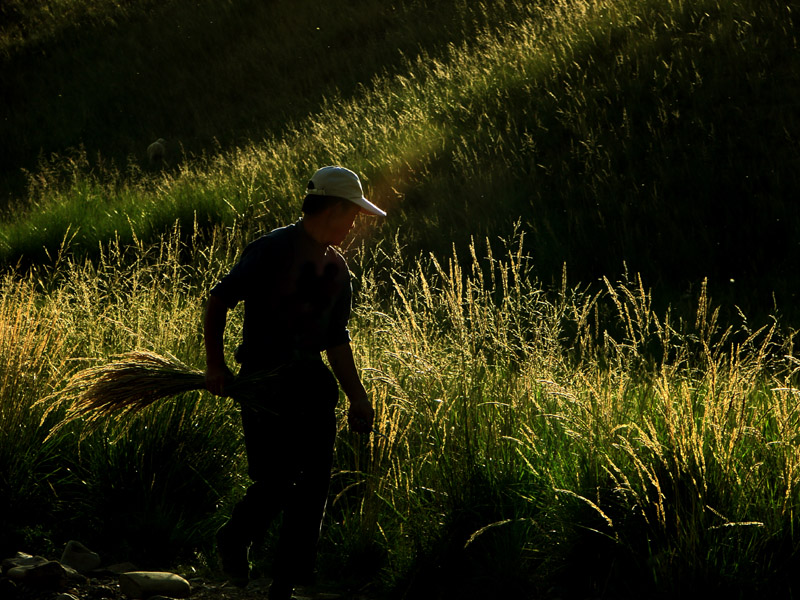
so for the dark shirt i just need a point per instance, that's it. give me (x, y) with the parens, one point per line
(296, 295)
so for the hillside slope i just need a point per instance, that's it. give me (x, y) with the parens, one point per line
(653, 137)
(203, 74)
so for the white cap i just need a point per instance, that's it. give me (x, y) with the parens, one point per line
(342, 183)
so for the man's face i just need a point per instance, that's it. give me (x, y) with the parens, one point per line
(339, 221)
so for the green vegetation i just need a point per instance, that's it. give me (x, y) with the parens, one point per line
(520, 440)
(654, 136)
(537, 433)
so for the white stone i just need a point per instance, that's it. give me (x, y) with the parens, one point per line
(144, 584)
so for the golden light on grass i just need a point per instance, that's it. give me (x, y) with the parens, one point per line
(136, 380)
(130, 383)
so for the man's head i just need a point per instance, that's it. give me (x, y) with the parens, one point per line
(333, 200)
(338, 182)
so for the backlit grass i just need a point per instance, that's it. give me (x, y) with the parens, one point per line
(522, 432)
(618, 437)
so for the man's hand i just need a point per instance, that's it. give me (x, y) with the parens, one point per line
(217, 377)
(361, 415)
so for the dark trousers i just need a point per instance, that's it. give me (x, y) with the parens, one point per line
(289, 442)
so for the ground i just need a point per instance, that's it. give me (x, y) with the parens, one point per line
(107, 588)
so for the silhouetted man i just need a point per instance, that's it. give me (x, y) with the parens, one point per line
(296, 292)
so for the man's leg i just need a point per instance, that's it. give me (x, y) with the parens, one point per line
(271, 470)
(313, 450)
(302, 517)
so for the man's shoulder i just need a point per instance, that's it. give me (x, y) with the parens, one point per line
(275, 241)
(278, 235)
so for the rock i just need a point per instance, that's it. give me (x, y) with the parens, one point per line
(74, 575)
(49, 574)
(79, 557)
(156, 152)
(40, 572)
(144, 584)
(20, 559)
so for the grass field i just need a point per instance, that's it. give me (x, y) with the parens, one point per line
(577, 323)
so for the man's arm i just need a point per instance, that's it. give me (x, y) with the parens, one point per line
(217, 372)
(361, 414)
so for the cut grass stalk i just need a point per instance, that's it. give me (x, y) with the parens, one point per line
(135, 381)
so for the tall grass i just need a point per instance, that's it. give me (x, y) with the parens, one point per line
(147, 488)
(32, 349)
(581, 439)
(523, 433)
(575, 434)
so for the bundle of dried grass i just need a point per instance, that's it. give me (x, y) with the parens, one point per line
(136, 380)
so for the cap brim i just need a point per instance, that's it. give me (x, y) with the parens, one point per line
(368, 207)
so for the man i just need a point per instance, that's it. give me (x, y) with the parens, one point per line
(296, 292)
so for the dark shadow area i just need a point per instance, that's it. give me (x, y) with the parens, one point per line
(204, 76)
